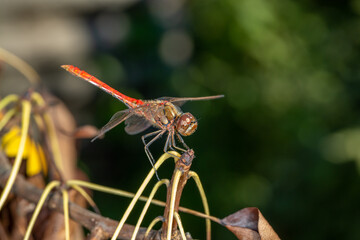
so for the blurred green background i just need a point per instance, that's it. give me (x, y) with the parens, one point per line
(286, 137)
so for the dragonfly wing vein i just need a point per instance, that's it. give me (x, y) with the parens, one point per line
(136, 124)
(115, 120)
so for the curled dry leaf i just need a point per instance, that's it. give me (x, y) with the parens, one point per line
(87, 131)
(65, 125)
(248, 224)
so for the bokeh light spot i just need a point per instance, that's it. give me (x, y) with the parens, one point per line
(343, 146)
(176, 47)
(112, 28)
(251, 190)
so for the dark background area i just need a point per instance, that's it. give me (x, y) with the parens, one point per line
(284, 139)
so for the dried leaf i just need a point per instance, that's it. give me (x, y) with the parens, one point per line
(3, 234)
(19, 210)
(87, 131)
(248, 224)
(65, 125)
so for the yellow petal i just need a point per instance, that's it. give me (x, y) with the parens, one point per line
(36, 160)
(10, 142)
(32, 152)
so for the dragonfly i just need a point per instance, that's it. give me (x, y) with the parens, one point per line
(163, 113)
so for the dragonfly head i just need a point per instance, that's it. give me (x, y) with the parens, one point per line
(186, 124)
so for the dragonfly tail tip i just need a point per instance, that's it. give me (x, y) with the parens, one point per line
(65, 66)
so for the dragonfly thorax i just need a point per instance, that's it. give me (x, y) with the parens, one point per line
(186, 124)
(171, 112)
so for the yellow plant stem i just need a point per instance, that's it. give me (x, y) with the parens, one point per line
(5, 119)
(65, 196)
(195, 176)
(86, 196)
(172, 203)
(178, 220)
(96, 187)
(25, 121)
(20, 65)
(152, 224)
(140, 191)
(100, 188)
(51, 131)
(147, 204)
(38, 121)
(122, 193)
(7, 100)
(199, 214)
(39, 205)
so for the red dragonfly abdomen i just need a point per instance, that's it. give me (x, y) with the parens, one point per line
(129, 101)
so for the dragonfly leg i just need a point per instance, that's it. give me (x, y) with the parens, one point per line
(174, 144)
(168, 143)
(182, 141)
(147, 145)
(149, 135)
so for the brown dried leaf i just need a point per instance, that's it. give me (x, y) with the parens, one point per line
(3, 234)
(65, 125)
(19, 209)
(249, 224)
(87, 131)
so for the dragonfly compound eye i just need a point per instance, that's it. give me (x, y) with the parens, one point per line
(186, 124)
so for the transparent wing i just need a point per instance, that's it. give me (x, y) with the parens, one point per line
(136, 124)
(180, 101)
(115, 120)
